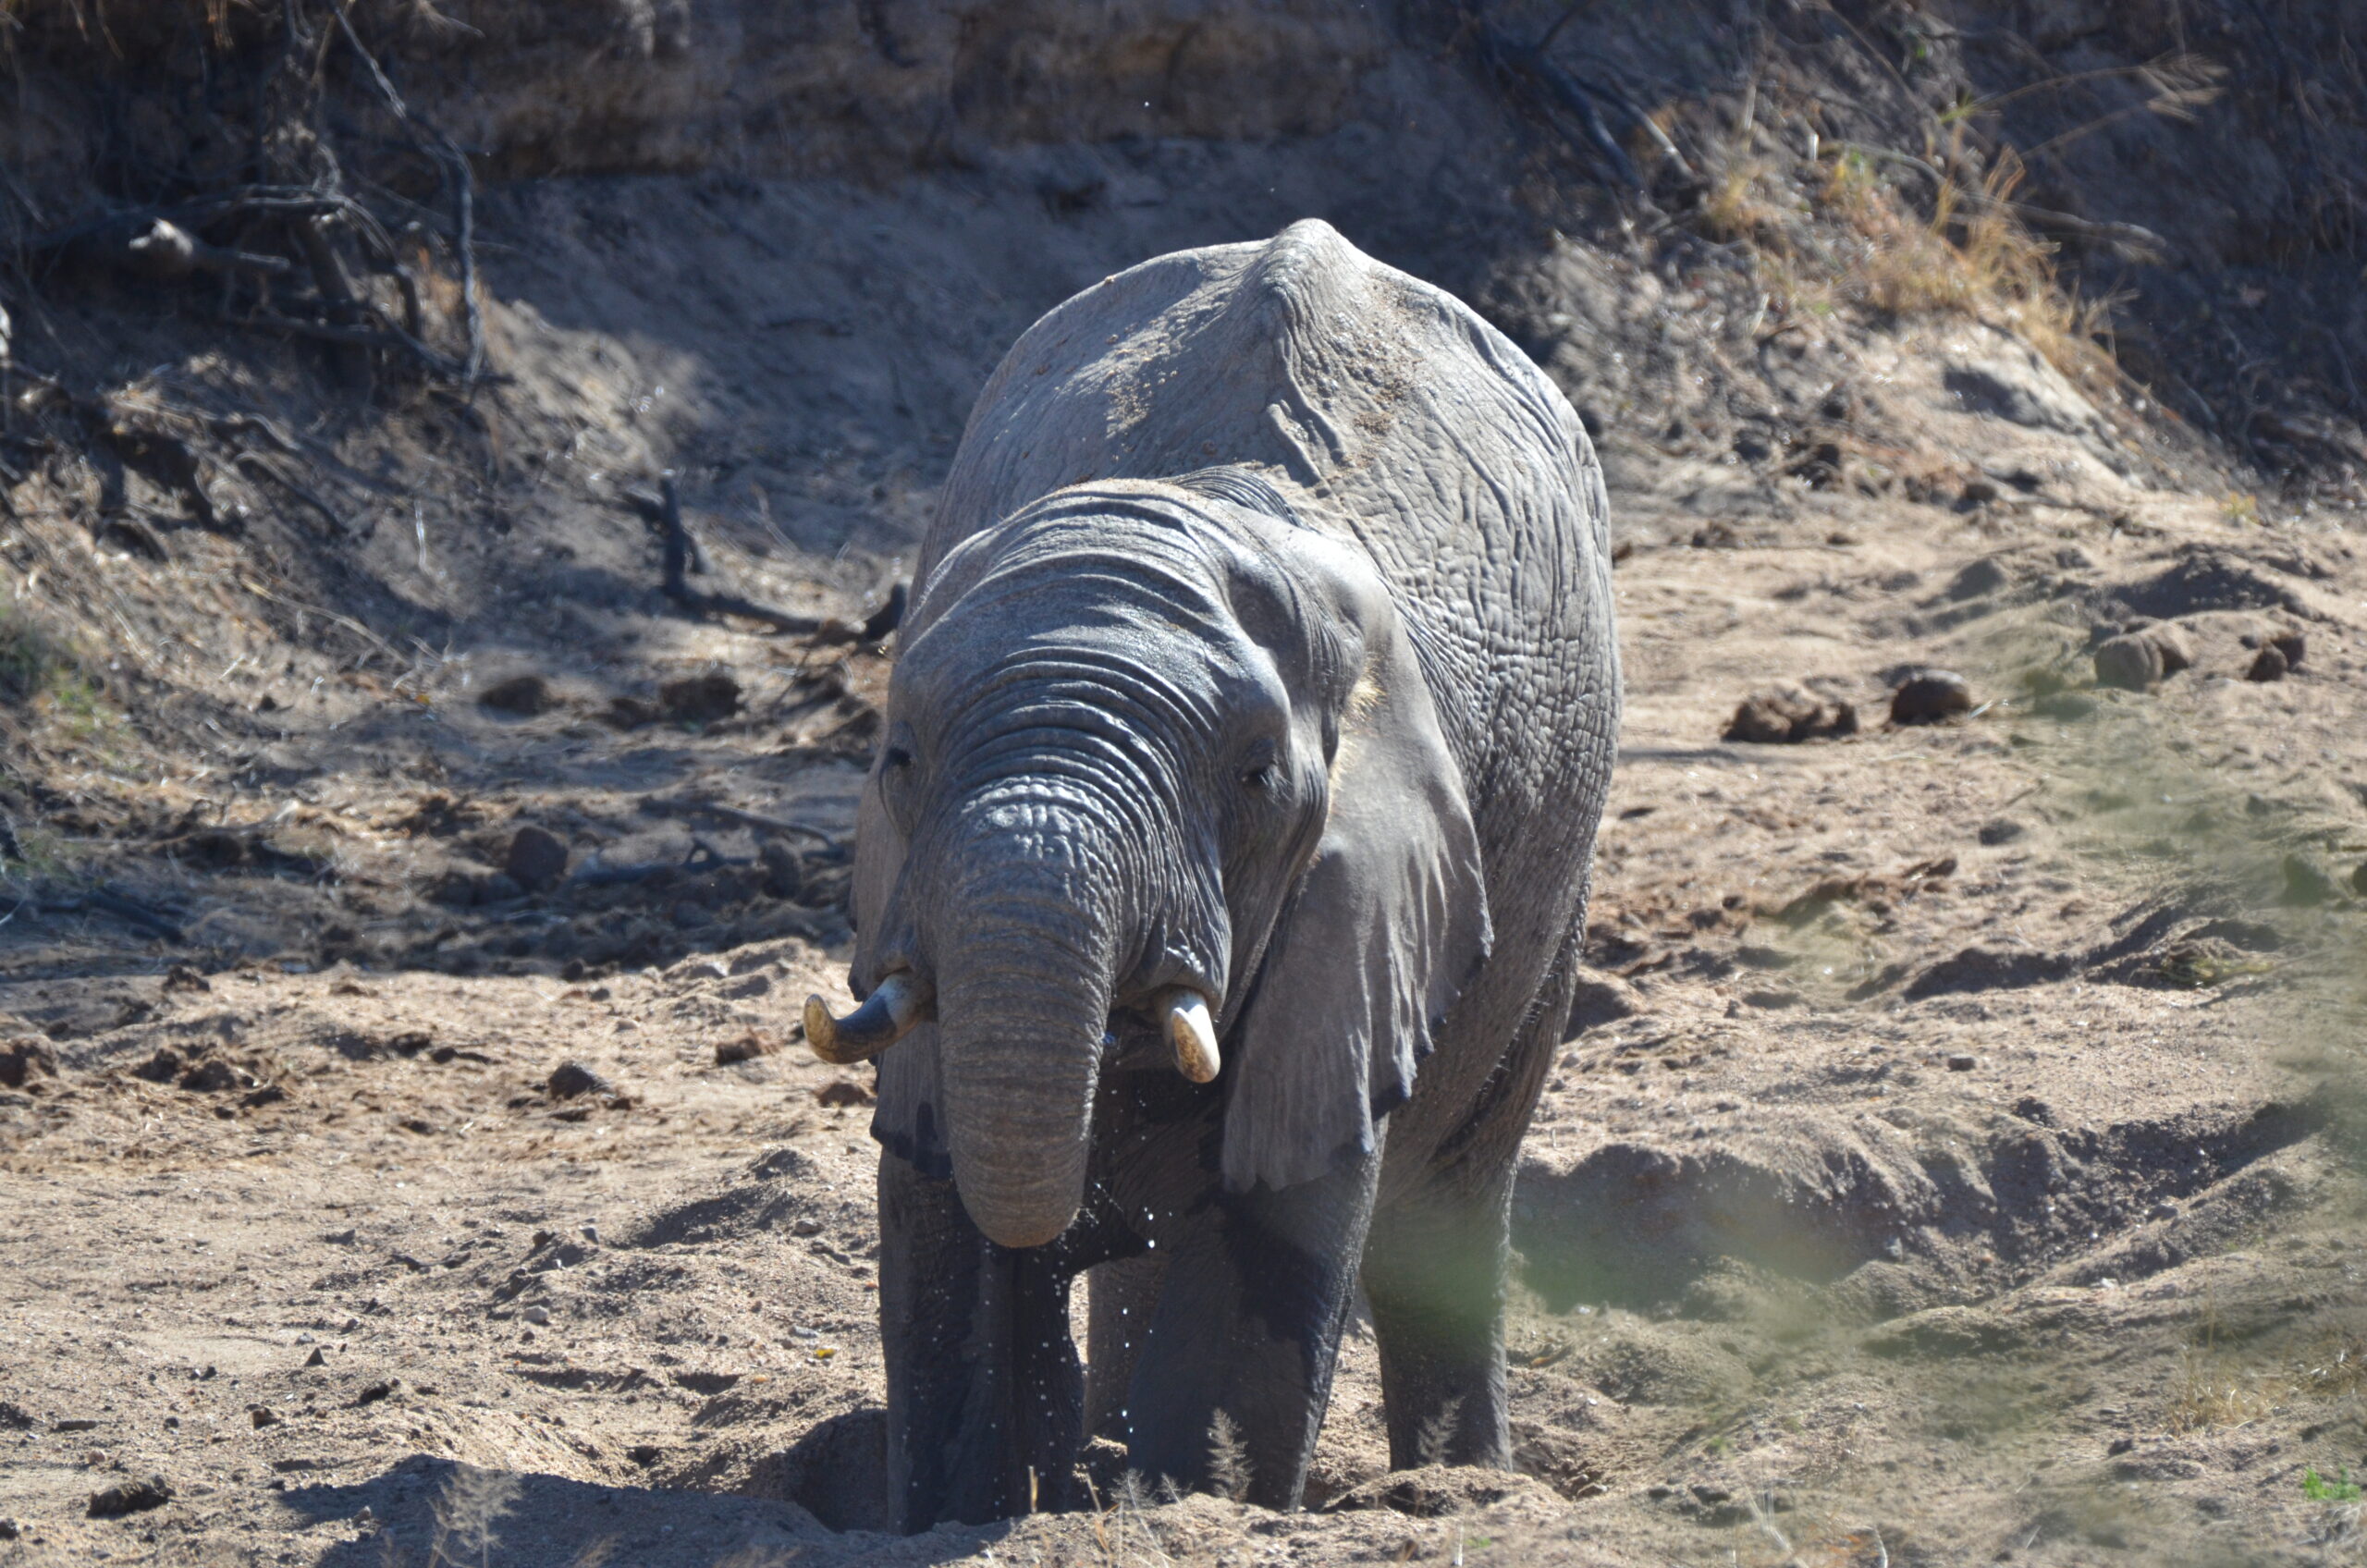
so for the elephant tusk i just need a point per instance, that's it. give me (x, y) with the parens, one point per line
(1185, 1013)
(889, 1013)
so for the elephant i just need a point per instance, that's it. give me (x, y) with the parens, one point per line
(1220, 878)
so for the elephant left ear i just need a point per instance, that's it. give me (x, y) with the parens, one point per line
(1385, 927)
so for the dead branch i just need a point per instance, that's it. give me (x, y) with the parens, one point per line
(1557, 97)
(682, 556)
(255, 462)
(116, 230)
(168, 253)
(655, 805)
(681, 551)
(337, 293)
(432, 142)
(387, 337)
(105, 899)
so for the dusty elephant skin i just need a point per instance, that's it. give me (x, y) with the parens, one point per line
(1262, 658)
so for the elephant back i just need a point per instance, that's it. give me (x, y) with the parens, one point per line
(1392, 415)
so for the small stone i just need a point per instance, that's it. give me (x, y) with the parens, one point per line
(537, 859)
(784, 872)
(2120, 1446)
(2359, 880)
(2178, 653)
(375, 1393)
(23, 1059)
(455, 890)
(1929, 696)
(262, 1417)
(644, 1454)
(1787, 713)
(2131, 663)
(1984, 576)
(161, 1067)
(631, 713)
(538, 1315)
(805, 1225)
(10, 1530)
(2269, 663)
(2003, 830)
(214, 1077)
(181, 977)
(316, 1358)
(131, 1497)
(2292, 644)
(1961, 1064)
(2306, 882)
(745, 1047)
(522, 695)
(702, 699)
(572, 1078)
(842, 1092)
(15, 1417)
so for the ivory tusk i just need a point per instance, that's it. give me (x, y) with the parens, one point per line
(1185, 1013)
(889, 1015)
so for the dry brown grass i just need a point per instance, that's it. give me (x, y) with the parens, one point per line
(2216, 1390)
(1852, 240)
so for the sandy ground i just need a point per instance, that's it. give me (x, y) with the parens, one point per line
(1951, 1162)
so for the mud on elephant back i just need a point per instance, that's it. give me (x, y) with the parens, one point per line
(1219, 877)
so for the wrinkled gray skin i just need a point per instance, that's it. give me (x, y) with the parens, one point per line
(1263, 645)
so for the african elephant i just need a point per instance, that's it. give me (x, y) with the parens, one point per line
(1220, 876)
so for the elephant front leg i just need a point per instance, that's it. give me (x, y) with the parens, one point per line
(1435, 1267)
(1121, 1298)
(1232, 1381)
(985, 1392)
(1434, 1273)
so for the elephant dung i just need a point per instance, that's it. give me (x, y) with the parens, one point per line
(1788, 712)
(1930, 696)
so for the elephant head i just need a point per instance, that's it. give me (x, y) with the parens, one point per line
(1155, 754)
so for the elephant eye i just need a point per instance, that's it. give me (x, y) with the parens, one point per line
(1261, 769)
(896, 759)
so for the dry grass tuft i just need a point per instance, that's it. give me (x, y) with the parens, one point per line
(1851, 241)
(2210, 1394)
(1228, 1459)
(2214, 1390)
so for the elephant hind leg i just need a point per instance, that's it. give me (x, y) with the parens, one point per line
(1120, 1297)
(1435, 1263)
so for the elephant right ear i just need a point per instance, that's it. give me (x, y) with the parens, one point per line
(1384, 928)
(909, 1121)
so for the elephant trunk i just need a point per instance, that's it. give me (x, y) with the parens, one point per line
(1024, 980)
